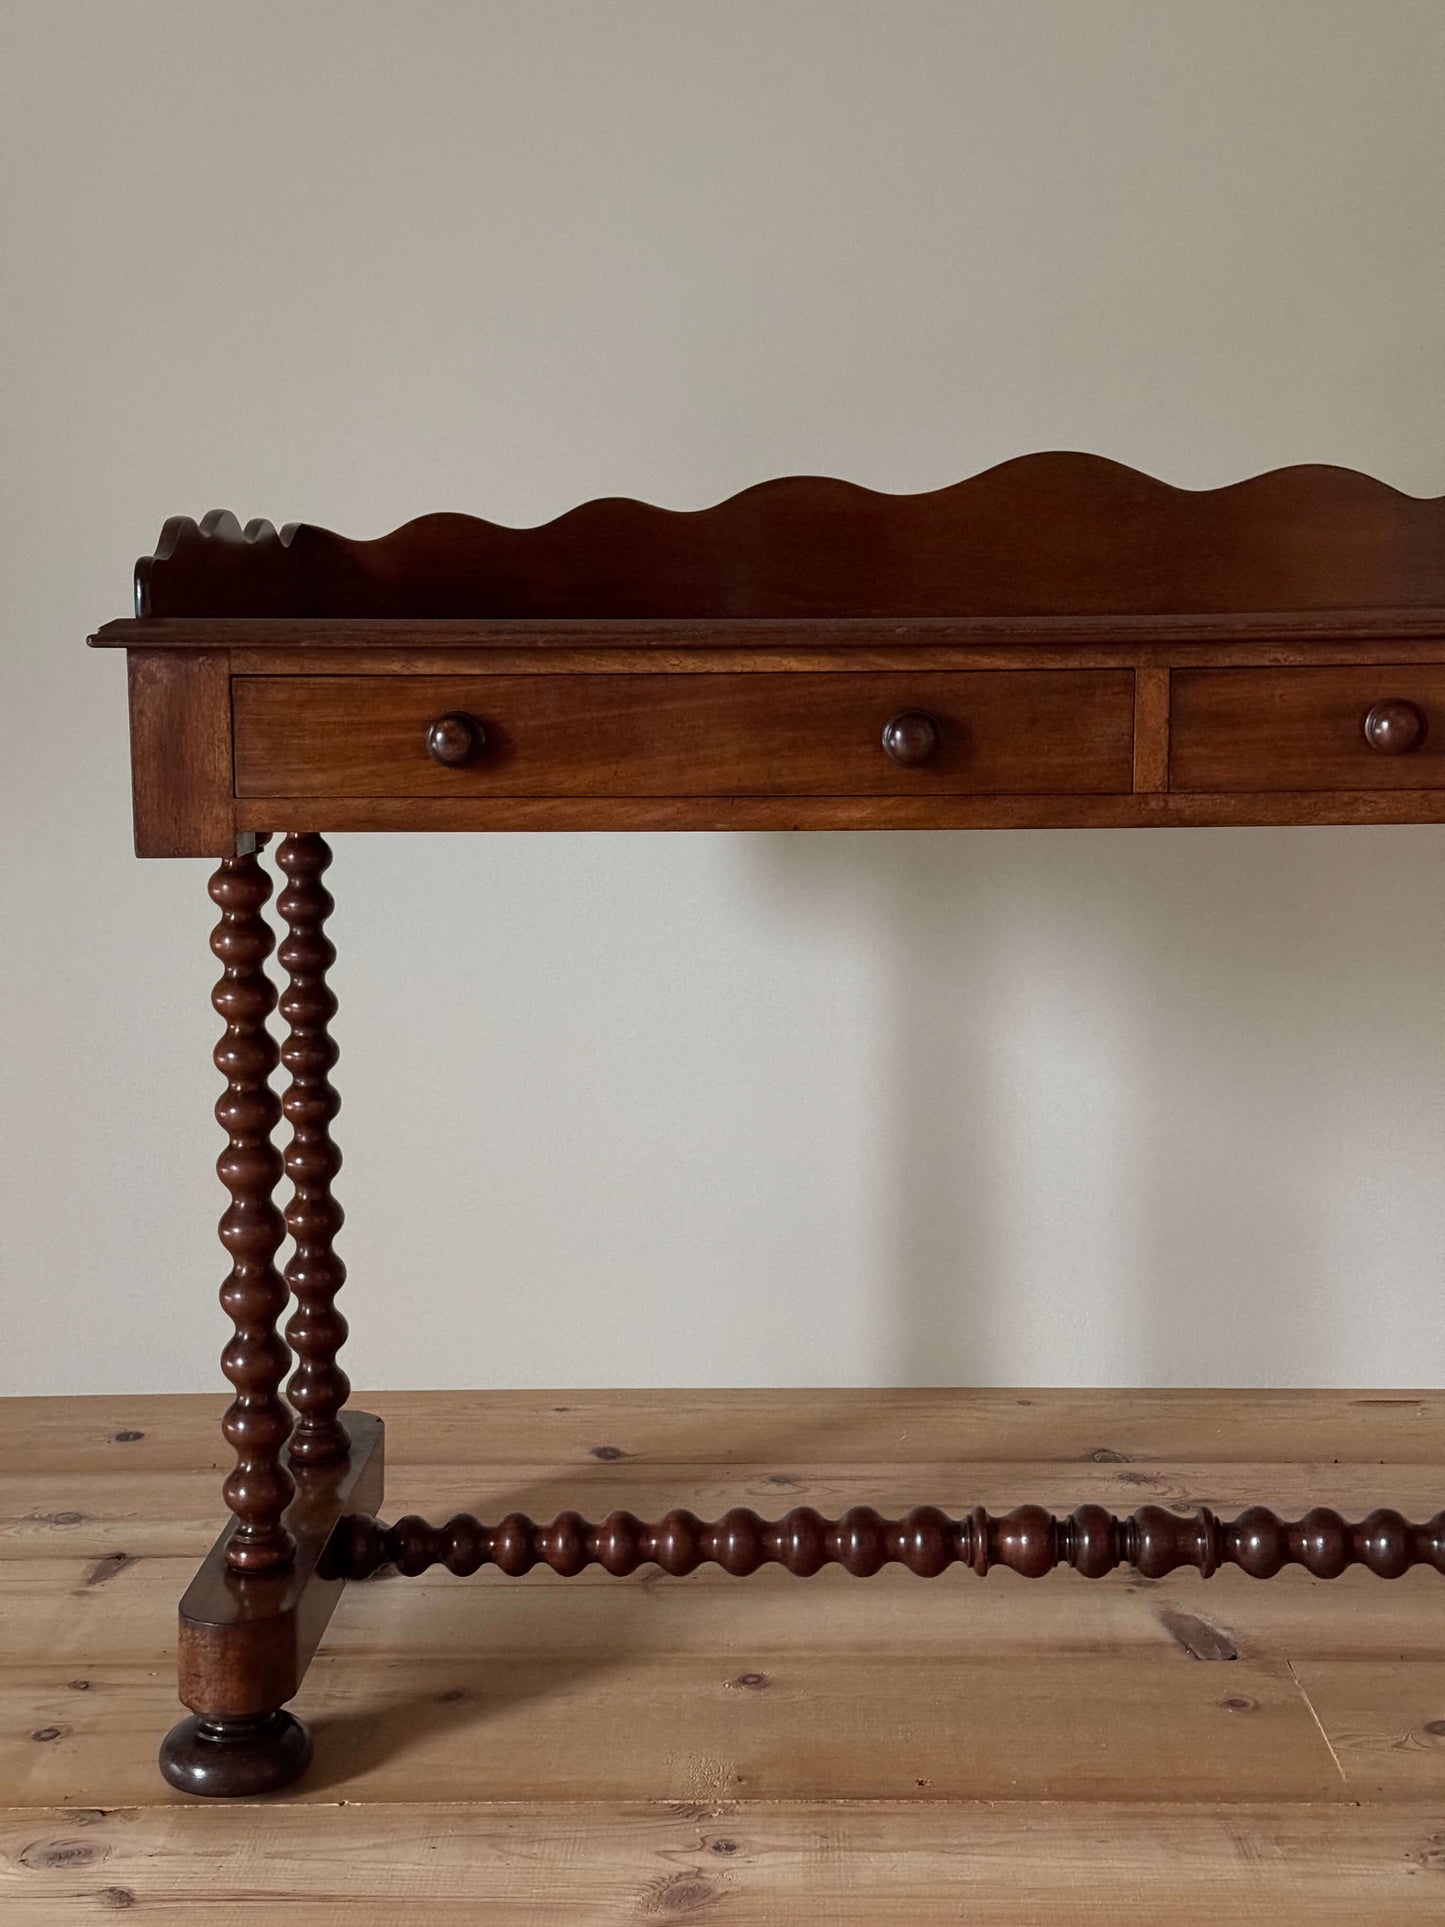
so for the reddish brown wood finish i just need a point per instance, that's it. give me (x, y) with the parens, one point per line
(1059, 641)
(1029, 1540)
(1304, 729)
(1151, 729)
(1394, 727)
(241, 1758)
(245, 1643)
(1046, 534)
(1058, 561)
(455, 739)
(314, 1272)
(180, 752)
(912, 737)
(1055, 731)
(257, 1423)
(354, 645)
(1179, 810)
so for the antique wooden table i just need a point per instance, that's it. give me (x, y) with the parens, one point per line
(1057, 642)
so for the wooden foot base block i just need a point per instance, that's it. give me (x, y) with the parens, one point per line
(246, 1638)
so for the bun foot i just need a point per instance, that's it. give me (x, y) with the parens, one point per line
(236, 1759)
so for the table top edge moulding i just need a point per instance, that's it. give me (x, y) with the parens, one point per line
(1057, 642)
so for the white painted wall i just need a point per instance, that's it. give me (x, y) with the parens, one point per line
(1037, 1107)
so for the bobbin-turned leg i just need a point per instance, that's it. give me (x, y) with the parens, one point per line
(252, 1617)
(315, 1273)
(211, 1753)
(258, 1423)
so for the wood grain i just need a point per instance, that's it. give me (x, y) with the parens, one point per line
(936, 812)
(131, 1437)
(1054, 731)
(808, 653)
(544, 1748)
(738, 1723)
(992, 1863)
(1283, 635)
(1048, 533)
(1301, 729)
(244, 1649)
(180, 746)
(713, 670)
(86, 1610)
(174, 1512)
(1151, 729)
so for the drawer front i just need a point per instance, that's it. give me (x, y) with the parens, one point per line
(1307, 729)
(1016, 732)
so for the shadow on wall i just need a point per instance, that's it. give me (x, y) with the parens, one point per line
(1178, 1132)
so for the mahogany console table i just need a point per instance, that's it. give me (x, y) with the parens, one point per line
(1058, 642)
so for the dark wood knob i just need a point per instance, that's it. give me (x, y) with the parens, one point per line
(1395, 727)
(454, 739)
(910, 737)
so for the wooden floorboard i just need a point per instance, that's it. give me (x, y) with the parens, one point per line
(173, 1513)
(996, 1864)
(713, 1427)
(766, 1750)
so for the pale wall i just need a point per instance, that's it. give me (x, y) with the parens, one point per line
(1038, 1107)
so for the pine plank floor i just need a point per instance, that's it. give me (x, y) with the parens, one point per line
(758, 1751)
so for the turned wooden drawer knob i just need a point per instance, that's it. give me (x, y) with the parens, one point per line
(1395, 727)
(910, 737)
(454, 739)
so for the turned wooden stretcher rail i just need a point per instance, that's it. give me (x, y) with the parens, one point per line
(1059, 642)
(1028, 1540)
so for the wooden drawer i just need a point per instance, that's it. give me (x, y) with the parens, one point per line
(680, 734)
(1248, 730)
